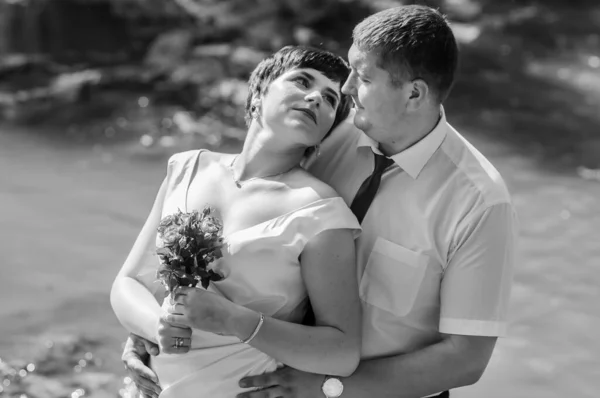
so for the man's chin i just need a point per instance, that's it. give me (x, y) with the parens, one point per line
(360, 121)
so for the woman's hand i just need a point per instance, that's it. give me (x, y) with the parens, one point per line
(200, 309)
(173, 338)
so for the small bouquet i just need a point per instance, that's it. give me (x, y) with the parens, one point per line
(191, 241)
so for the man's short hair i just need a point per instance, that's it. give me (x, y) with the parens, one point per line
(296, 57)
(411, 42)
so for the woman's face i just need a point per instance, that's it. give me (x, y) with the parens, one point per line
(302, 102)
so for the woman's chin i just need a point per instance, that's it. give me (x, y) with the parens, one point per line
(308, 129)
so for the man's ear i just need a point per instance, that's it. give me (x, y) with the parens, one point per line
(419, 93)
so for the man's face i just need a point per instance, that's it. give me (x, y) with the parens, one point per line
(380, 106)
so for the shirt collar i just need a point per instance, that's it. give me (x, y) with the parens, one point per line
(413, 159)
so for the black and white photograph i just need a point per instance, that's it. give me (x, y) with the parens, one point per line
(299, 198)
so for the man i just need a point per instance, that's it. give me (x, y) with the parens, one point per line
(436, 253)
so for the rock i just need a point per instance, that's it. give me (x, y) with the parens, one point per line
(212, 50)
(169, 50)
(310, 11)
(199, 72)
(67, 87)
(270, 34)
(231, 90)
(44, 387)
(243, 60)
(463, 10)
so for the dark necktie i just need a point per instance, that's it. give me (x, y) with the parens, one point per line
(366, 193)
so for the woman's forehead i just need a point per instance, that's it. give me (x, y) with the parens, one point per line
(311, 74)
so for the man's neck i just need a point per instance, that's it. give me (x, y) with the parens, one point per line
(411, 135)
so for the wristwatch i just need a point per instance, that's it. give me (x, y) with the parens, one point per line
(332, 387)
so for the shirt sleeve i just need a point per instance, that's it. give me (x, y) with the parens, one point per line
(476, 285)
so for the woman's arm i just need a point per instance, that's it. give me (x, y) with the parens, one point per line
(331, 347)
(135, 306)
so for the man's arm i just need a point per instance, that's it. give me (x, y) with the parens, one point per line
(474, 299)
(455, 361)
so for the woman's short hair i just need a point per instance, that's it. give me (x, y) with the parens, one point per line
(296, 57)
(411, 42)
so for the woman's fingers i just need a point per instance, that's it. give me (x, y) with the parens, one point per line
(180, 293)
(176, 319)
(177, 345)
(175, 308)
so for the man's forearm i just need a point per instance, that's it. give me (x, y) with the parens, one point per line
(433, 369)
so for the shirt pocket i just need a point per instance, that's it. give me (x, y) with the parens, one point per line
(392, 277)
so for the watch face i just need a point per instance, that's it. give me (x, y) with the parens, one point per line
(332, 388)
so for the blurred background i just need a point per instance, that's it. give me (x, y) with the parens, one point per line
(95, 95)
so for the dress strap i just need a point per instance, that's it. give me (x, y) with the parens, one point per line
(190, 175)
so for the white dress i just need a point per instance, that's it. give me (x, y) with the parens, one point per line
(262, 272)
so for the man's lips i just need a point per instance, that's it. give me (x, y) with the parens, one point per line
(308, 112)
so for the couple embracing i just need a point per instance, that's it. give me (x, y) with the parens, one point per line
(368, 249)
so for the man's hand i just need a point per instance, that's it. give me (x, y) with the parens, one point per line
(284, 382)
(135, 356)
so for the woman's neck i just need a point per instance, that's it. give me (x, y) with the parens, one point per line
(261, 156)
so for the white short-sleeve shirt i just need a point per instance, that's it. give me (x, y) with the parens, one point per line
(437, 250)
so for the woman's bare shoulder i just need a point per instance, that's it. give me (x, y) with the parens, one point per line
(310, 187)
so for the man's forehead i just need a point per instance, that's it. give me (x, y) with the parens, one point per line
(358, 58)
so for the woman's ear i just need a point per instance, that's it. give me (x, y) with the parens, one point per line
(255, 107)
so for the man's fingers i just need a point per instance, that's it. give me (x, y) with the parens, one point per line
(147, 392)
(264, 380)
(139, 369)
(145, 382)
(270, 392)
(151, 347)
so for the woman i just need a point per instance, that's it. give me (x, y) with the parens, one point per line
(289, 240)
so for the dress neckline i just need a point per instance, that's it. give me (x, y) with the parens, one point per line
(274, 219)
(271, 220)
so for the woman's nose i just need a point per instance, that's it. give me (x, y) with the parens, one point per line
(315, 97)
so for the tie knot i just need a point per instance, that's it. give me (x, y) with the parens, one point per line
(381, 163)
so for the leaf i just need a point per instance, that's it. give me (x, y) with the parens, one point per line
(205, 283)
(215, 276)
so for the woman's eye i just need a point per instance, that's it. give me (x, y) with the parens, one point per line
(331, 100)
(302, 80)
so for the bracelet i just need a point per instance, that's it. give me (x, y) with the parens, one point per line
(253, 335)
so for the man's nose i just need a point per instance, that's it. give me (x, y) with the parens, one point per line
(348, 87)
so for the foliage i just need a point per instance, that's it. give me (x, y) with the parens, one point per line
(190, 242)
